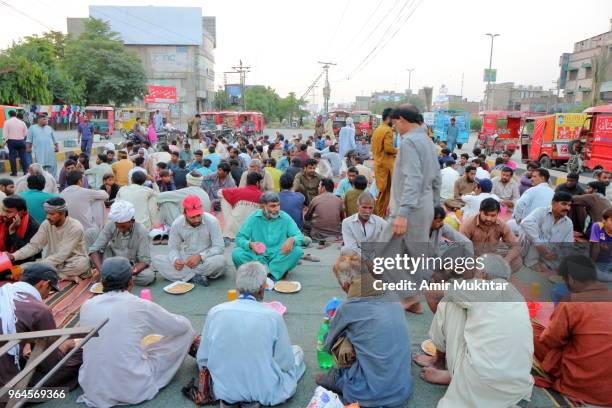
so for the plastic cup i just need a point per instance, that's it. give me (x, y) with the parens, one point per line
(533, 308)
(503, 210)
(146, 294)
(232, 294)
(260, 248)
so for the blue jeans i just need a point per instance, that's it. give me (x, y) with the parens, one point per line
(18, 148)
(86, 146)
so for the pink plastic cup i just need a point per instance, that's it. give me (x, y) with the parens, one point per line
(146, 294)
(276, 306)
(5, 262)
(503, 210)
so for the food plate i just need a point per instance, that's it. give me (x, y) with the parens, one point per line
(178, 288)
(428, 347)
(150, 339)
(96, 288)
(287, 286)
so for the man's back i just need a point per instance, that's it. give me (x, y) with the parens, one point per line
(34, 201)
(247, 349)
(121, 170)
(293, 204)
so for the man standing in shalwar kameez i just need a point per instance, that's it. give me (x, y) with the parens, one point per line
(415, 188)
(117, 369)
(383, 153)
(42, 141)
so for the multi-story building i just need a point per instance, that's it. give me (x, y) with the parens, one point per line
(176, 46)
(586, 73)
(508, 96)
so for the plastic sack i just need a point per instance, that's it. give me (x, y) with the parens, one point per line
(323, 398)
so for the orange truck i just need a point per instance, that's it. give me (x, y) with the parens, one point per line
(597, 133)
(547, 139)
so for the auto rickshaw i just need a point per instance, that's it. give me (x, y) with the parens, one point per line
(364, 123)
(338, 118)
(102, 118)
(126, 117)
(500, 131)
(597, 133)
(548, 139)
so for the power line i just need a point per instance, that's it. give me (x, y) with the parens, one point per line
(400, 26)
(375, 27)
(15, 9)
(331, 42)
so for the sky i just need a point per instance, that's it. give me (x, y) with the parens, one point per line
(373, 42)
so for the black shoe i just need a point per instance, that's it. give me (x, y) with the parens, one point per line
(200, 280)
(14, 174)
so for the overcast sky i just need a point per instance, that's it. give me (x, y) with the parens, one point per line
(440, 39)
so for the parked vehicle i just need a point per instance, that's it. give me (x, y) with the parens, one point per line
(4, 116)
(597, 134)
(102, 118)
(501, 130)
(338, 118)
(442, 122)
(364, 122)
(548, 138)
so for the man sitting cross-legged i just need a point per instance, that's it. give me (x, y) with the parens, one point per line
(368, 337)
(62, 239)
(483, 340)
(246, 347)
(122, 236)
(269, 236)
(195, 246)
(117, 369)
(575, 348)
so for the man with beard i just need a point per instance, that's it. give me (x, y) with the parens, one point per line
(488, 232)
(506, 188)
(62, 238)
(464, 185)
(269, 236)
(124, 237)
(604, 176)
(195, 246)
(307, 181)
(545, 229)
(17, 227)
(361, 227)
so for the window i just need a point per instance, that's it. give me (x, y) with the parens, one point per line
(573, 75)
(588, 72)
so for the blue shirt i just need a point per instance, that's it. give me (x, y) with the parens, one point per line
(86, 130)
(320, 144)
(283, 164)
(451, 133)
(343, 187)
(215, 159)
(346, 140)
(334, 161)
(293, 203)
(187, 156)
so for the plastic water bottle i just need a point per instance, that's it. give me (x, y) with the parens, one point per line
(326, 361)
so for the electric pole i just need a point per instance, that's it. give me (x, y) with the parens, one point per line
(490, 65)
(242, 70)
(326, 89)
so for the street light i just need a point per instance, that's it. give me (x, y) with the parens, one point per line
(490, 65)
(409, 77)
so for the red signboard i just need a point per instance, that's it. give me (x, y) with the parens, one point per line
(160, 94)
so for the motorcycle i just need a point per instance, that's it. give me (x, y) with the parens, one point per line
(575, 164)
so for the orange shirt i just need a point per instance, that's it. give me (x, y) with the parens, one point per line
(121, 170)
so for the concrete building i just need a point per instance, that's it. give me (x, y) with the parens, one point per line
(387, 96)
(176, 46)
(362, 103)
(586, 73)
(508, 96)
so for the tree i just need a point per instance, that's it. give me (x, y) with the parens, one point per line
(23, 81)
(220, 100)
(262, 99)
(110, 74)
(378, 107)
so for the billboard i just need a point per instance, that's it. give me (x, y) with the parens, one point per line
(234, 94)
(160, 94)
(490, 75)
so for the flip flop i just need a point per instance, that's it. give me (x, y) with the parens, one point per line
(311, 258)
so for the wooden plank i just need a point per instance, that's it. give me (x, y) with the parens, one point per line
(72, 332)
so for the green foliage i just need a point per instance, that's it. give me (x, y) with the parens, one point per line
(98, 60)
(378, 107)
(476, 124)
(581, 107)
(23, 81)
(266, 100)
(221, 100)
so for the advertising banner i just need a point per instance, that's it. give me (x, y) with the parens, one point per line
(160, 94)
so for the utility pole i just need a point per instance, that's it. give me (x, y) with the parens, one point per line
(490, 65)
(462, 75)
(242, 70)
(410, 78)
(326, 89)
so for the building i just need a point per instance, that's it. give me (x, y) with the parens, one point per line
(176, 46)
(508, 96)
(362, 103)
(586, 73)
(387, 96)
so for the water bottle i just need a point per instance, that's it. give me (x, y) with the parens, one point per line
(326, 361)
